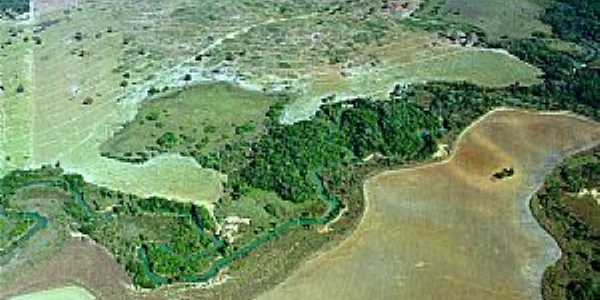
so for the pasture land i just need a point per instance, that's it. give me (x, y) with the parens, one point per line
(199, 119)
(168, 176)
(42, 7)
(66, 293)
(86, 69)
(499, 18)
(412, 57)
(61, 90)
(451, 230)
(16, 63)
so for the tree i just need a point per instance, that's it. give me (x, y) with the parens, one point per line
(167, 140)
(20, 88)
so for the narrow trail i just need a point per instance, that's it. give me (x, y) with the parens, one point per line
(30, 61)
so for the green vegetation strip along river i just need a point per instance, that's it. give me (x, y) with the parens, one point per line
(333, 211)
(40, 222)
(76, 192)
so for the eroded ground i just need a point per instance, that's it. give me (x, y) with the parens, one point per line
(451, 230)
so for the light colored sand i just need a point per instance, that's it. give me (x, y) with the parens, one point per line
(446, 230)
(66, 293)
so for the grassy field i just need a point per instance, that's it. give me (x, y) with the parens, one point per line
(66, 293)
(42, 7)
(170, 176)
(86, 69)
(499, 18)
(200, 119)
(16, 60)
(304, 56)
(411, 57)
(65, 117)
(443, 240)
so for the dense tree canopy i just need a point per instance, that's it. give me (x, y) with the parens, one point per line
(14, 6)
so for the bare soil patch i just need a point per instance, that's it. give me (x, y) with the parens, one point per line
(81, 263)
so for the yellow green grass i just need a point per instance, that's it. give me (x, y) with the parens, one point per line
(202, 119)
(50, 122)
(75, 99)
(170, 176)
(449, 230)
(413, 57)
(65, 293)
(498, 18)
(16, 63)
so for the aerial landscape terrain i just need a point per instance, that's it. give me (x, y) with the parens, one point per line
(299, 149)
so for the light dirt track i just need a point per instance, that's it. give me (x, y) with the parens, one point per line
(446, 230)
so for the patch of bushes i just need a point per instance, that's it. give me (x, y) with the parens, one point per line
(575, 20)
(12, 7)
(289, 159)
(167, 140)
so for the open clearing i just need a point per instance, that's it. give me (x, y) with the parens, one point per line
(197, 119)
(66, 293)
(42, 7)
(15, 104)
(169, 176)
(500, 18)
(412, 59)
(70, 105)
(449, 230)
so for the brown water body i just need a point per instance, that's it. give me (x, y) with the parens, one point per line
(448, 230)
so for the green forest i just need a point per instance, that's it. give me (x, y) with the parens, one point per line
(14, 7)
(572, 219)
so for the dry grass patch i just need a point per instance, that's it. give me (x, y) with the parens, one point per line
(411, 57)
(16, 63)
(500, 18)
